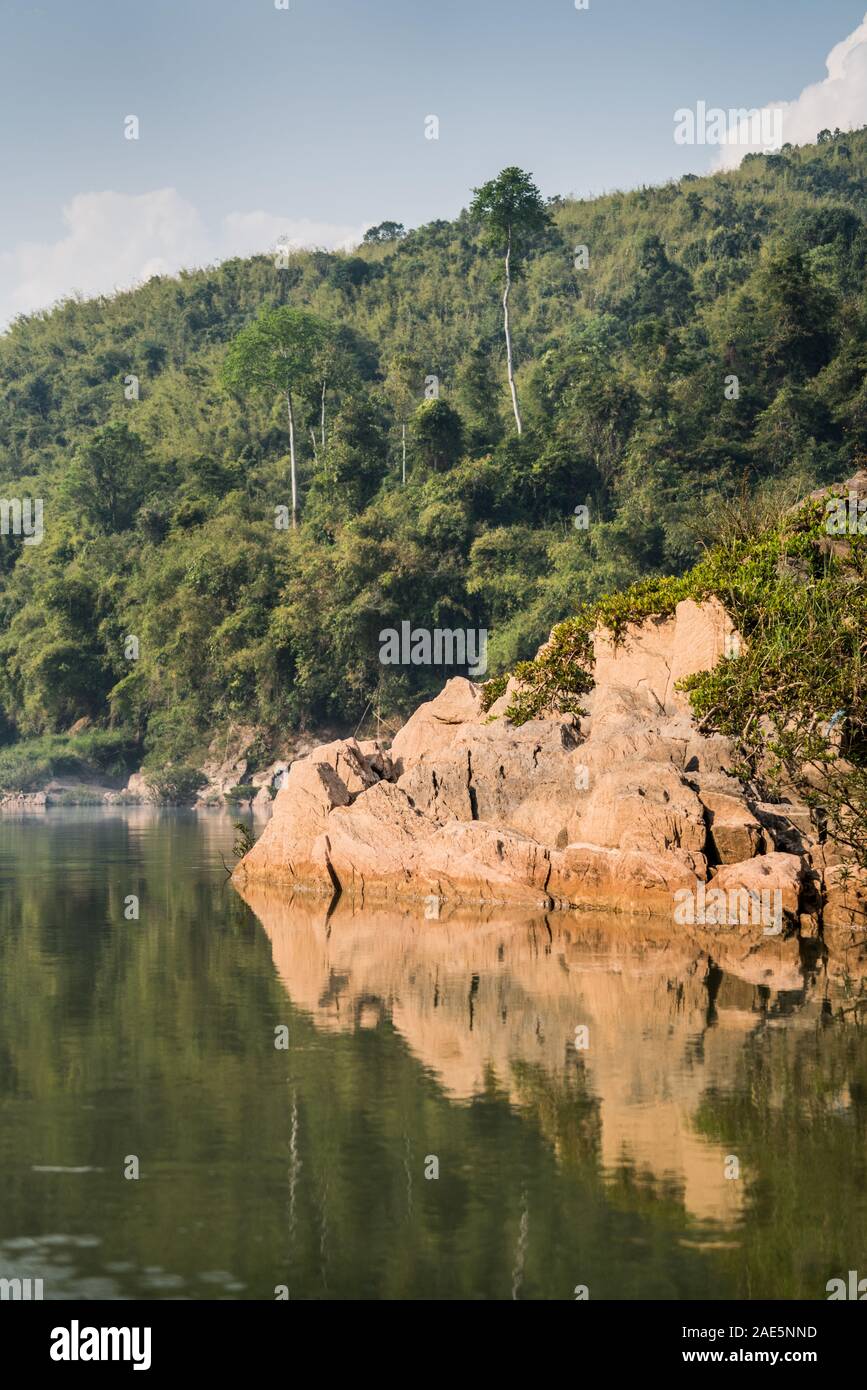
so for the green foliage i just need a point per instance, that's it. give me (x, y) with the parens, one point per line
(29, 763)
(437, 432)
(244, 839)
(160, 511)
(109, 478)
(794, 698)
(175, 785)
(245, 791)
(276, 352)
(384, 232)
(510, 209)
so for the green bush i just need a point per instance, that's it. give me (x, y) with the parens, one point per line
(175, 785)
(27, 765)
(245, 791)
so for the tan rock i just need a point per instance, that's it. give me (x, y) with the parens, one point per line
(704, 635)
(267, 776)
(845, 897)
(590, 876)
(654, 655)
(477, 862)
(788, 825)
(346, 758)
(377, 757)
(766, 873)
(640, 661)
(557, 810)
(436, 723)
(735, 833)
(139, 787)
(369, 844)
(644, 806)
(20, 802)
(522, 778)
(285, 849)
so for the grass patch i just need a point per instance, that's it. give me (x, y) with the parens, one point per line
(28, 765)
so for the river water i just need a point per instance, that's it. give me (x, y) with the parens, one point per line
(369, 1104)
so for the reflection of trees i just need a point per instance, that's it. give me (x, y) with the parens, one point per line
(306, 1167)
(795, 1113)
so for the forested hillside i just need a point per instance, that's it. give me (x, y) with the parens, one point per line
(673, 346)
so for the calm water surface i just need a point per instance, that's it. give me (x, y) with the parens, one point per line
(408, 1041)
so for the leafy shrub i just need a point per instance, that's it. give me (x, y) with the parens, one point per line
(175, 786)
(243, 792)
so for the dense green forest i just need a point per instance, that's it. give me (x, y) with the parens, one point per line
(673, 347)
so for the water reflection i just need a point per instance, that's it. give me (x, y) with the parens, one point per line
(407, 1040)
(670, 1016)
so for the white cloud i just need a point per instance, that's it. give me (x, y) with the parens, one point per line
(247, 232)
(840, 99)
(113, 241)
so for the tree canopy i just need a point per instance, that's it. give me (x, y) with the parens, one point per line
(713, 337)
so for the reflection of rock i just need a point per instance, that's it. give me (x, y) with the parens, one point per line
(22, 802)
(485, 1000)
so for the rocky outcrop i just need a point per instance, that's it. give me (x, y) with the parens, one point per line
(20, 803)
(628, 807)
(653, 656)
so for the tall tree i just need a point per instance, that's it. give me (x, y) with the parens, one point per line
(403, 382)
(278, 353)
(510, 208)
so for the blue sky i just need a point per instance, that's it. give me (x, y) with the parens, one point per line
(310, 121)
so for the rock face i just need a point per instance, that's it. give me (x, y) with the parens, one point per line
(627, 808)
(654, 655)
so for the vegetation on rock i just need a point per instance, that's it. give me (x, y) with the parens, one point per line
(793, 694)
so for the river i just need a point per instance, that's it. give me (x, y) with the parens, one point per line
(245, 1100)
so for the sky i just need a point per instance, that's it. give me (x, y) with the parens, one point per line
(309, 122)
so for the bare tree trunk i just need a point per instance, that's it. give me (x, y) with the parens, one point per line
(508, 335)
(313, 442)
(292, 460)
(324, 389)
(404, 455)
